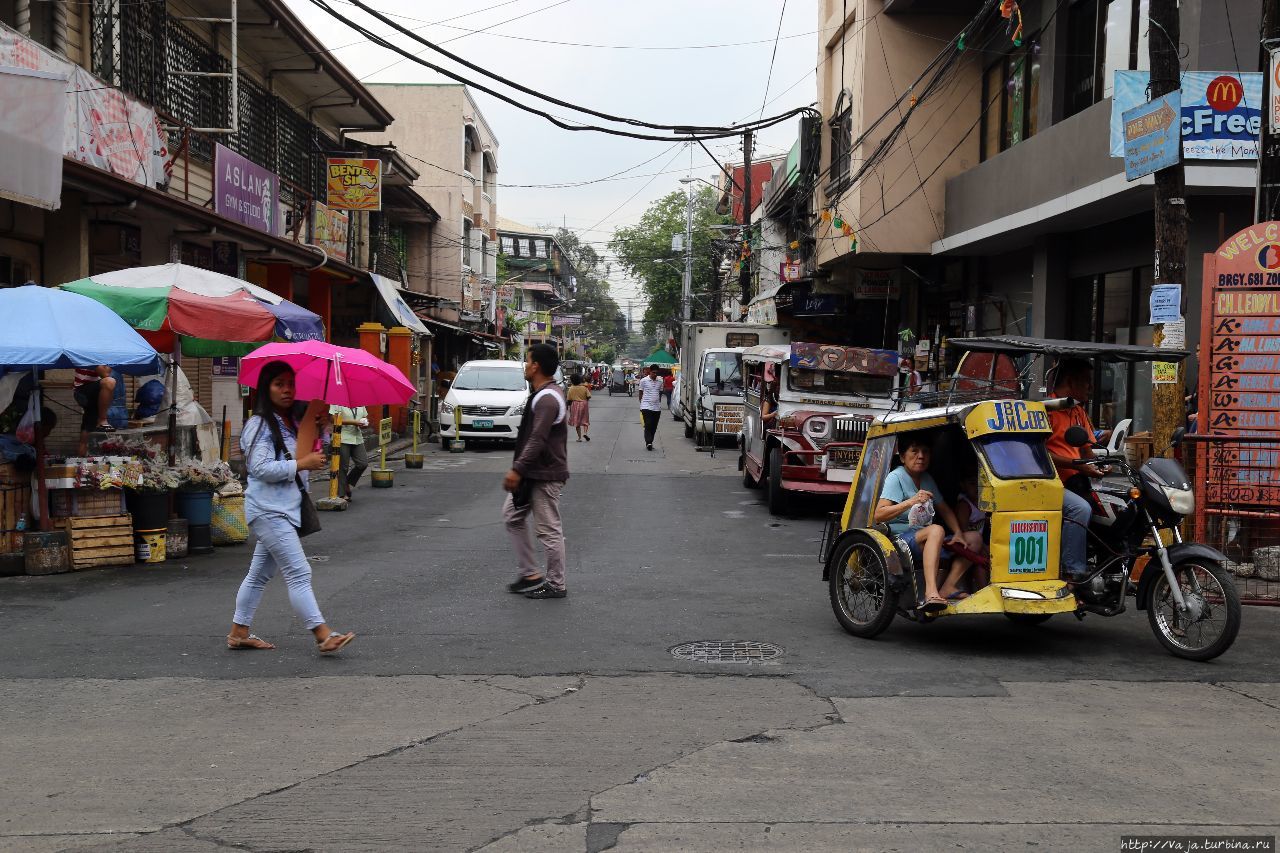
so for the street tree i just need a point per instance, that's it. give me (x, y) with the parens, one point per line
(642, 247)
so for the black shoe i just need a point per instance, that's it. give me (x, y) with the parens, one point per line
(547, 591)
(527, 585)
(587, 437)
(649, 447)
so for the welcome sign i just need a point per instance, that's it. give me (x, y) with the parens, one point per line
(1220, 117)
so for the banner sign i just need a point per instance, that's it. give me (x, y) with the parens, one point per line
(1273, 109)
(354, 183)
(813, 356)
(1151, 136)
(1220, 116)
(875, 284)
(245, 192)
(567, 320)
(329, 230)
(100, 125)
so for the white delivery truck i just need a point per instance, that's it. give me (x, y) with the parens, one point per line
(708, 351)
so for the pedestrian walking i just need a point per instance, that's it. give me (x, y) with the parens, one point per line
(668, 387)
(537, 478)
(650, 404)
(579, 408)
(273, 510)
(354, 459)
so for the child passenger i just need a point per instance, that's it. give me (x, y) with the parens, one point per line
(973, 523)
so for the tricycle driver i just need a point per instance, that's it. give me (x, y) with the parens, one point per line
(1073, 378)
(908, 505)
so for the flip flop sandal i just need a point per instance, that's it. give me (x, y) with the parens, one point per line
(252, 641)
(343, 639)
(935, 604)
(958, 595)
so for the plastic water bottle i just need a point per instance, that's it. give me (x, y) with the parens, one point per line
(22, 522)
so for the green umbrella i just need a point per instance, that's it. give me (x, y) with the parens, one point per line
(659, 356)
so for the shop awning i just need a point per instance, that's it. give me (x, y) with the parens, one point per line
(539, 286)
(770, 293)
(395, 304)
(477, 337)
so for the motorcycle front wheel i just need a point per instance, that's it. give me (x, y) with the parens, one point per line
(1209, 626)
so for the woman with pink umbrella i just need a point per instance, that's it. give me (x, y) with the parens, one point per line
(278, 464)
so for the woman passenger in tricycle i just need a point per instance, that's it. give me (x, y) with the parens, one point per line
(909, 502)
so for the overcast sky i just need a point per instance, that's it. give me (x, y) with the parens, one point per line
(604, 69)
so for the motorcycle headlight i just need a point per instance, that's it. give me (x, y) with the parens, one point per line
(446, 408)
(1181, 501)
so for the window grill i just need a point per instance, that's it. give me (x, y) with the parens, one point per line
(194, 101)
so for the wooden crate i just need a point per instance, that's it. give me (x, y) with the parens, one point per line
(85, 503)
(102, 541)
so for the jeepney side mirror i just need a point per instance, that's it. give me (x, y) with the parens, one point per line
(1077, 436)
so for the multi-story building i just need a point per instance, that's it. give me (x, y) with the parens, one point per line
(999, 206)
(540, 280)
(176, 149)
(441, 131)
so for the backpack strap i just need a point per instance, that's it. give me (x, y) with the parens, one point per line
(559, 402)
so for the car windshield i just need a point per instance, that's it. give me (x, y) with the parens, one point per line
(839, 382)
(490, 379)
(730, 366)
(1017, 457)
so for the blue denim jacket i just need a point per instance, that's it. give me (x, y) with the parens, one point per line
(272, 490)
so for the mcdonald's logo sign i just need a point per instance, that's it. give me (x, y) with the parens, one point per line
(1224, 93)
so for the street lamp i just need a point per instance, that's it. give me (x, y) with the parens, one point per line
(686, 286)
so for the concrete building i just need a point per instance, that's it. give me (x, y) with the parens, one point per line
(446, 138)
(999, 206)
(541, 280)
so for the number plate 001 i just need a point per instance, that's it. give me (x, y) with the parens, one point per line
(1028, 547)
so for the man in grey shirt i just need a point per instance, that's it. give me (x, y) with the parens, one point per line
(537, 477)
(650, 403)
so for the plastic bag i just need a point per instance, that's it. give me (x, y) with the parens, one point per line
(26, 432)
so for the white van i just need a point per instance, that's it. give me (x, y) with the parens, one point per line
(699, 392)
(491, 396)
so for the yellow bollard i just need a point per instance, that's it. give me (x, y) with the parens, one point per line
(336, 462)
(458, 444)
(413, 459)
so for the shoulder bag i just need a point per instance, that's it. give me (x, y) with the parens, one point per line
(308, 514)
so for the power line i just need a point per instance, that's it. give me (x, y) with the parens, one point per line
(769, 79)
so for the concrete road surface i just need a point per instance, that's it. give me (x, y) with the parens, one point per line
(466, 718)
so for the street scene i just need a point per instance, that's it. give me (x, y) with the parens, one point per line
(568, 425)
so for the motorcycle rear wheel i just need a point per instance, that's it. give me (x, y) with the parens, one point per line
(1215, 619)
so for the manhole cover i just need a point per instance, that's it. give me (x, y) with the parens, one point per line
(726, 651)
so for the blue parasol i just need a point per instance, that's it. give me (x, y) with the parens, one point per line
(43, 327)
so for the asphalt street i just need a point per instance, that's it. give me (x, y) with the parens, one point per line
(466, 718)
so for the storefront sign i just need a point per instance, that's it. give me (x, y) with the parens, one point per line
(1221, 113)
(245, 192)
(1151, 136)
(1166, 303)
(330, 229)
(226, 365)
(875, 284)
(567, 320)
(817, 304)
(354, 184)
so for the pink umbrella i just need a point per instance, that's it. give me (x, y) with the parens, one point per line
(341, 376)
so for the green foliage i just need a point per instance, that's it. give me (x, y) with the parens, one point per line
(638, 246)
(592, 300)
(504, 268)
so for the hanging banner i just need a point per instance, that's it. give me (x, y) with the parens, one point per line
(31, 136)
(329, 230)
(1220, 118)
(245, 192)
(354, 183)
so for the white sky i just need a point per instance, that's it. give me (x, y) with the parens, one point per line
(712, 86)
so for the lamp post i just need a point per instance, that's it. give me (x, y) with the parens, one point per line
(686, 288)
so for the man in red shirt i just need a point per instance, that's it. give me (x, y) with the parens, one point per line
(1073, 378)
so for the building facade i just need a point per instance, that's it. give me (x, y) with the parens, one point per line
(538, 290)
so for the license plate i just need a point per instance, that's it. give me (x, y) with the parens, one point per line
(486, 424)
(843, 457)
(1028, 547)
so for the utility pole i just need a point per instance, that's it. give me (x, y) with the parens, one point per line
(1266, 201)
(744, 277)
(1168, 408)
(686, 290)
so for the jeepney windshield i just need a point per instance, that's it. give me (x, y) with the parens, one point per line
(838, 382)
(1017, 457)
(730, 367)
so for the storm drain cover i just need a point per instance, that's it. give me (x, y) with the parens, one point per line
(726, 651)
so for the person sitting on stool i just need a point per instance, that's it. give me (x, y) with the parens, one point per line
(95, 387)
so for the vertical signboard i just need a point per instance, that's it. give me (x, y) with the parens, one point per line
(1240, 367)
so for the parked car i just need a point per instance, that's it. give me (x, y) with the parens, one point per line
(487, 398)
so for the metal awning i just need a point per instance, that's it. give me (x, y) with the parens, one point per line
(771, 292)
(394, 302)
(1059, 348)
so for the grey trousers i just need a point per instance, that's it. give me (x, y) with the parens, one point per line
(544, 506)
(355, 456)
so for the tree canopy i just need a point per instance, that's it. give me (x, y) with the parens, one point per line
(638, 247)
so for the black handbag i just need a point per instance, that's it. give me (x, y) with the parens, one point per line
(308, 514)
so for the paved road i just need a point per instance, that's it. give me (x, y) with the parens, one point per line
(466, 718)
